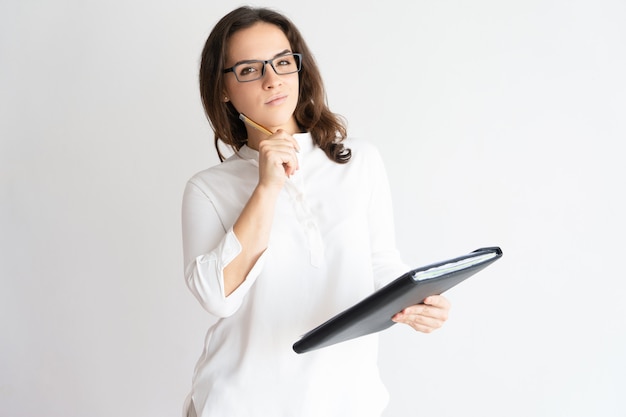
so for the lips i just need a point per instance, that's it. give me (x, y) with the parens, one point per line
(276, 99)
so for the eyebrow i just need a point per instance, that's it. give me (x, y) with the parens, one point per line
(247, 61)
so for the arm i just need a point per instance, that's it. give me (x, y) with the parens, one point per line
(277, 161)
(425, 317)
(222, 264)
(252, 229)
(208, 246)
(386, 261)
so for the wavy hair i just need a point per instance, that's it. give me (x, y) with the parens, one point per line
(312, 113)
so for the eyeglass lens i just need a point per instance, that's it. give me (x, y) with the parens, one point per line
(253, 70)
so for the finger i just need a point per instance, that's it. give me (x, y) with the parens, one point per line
(283, 134)
(280, 149)
(421, 323)
(288, 159)
(438, 301)
(276, 161)
(427, 311)
(422, 314)
(283, 160)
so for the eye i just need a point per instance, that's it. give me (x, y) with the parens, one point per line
(284, 61)
(247, 70)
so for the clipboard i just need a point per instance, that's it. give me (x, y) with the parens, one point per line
(373, 314)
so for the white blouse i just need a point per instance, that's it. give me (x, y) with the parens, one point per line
(332, 243)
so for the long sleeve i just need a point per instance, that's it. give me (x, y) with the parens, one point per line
(386, 261)
(208, 247)
(332, 242)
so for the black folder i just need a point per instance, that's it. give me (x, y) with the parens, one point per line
(374, 313)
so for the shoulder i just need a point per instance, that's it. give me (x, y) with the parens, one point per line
(363, 151)
(232, 170)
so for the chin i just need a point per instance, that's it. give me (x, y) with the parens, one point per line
(282, 122)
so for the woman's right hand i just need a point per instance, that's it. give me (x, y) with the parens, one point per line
(277, 162)
(277, 159)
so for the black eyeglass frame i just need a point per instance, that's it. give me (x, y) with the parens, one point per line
(267, 61)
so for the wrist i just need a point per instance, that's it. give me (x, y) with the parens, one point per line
(266, 190)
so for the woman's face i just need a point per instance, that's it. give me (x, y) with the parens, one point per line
(272, 99)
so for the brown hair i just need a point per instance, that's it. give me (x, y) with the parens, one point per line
(312, 113)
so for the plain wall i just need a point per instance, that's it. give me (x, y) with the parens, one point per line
(501, 123)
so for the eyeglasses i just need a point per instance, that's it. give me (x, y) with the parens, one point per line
(255, 69)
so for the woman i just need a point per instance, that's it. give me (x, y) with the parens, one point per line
(291, 229)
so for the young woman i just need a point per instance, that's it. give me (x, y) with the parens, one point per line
(291, 229)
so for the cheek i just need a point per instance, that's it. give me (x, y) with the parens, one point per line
(238, 95)
(295, 87)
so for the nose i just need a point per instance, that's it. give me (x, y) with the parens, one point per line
(270, 78)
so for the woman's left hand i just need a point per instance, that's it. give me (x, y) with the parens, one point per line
(425, 317)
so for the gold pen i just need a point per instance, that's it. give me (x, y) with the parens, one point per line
(254, 124)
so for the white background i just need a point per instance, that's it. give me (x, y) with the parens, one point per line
(501, 123)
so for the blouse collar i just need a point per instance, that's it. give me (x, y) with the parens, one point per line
(305, 140)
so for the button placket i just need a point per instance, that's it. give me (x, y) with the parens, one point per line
(307, 220)
(304, 215)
